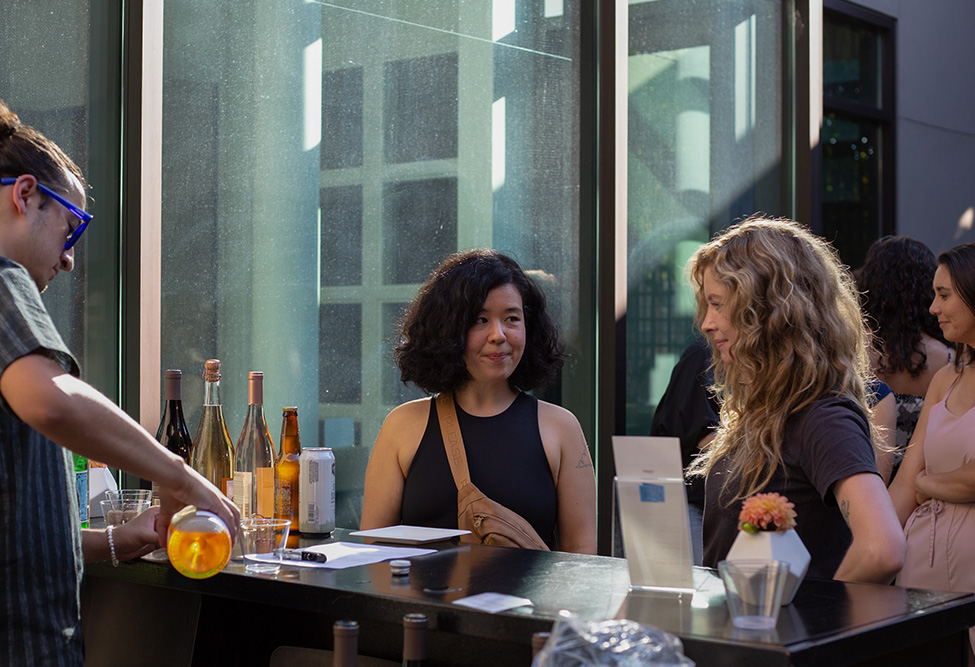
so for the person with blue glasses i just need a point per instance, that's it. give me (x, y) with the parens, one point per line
(47, 410)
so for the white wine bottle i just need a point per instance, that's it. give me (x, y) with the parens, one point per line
(213, 451)
(254, 456)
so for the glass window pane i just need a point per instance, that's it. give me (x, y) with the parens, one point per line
(308, 191)
(60, 74)
(706, 147)
(342, 236)
(342, 118)
(420, 100)
(414, 210)
(394, 391)
(340, 376)
(852, 62)
(851, 184)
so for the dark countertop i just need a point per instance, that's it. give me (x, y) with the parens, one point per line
(828, 622)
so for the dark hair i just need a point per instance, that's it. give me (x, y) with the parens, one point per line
(896, 280)
(960, 262)
(434, 329)
(24, 150)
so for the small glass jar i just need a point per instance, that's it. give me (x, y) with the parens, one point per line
(198, 544)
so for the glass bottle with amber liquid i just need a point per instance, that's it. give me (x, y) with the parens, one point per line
(213, 451)
(254, 456)
(286, 473)
(172, 432)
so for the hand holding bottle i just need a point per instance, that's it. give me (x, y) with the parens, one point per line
(194, 489)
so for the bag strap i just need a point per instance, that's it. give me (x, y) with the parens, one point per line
(453, 442)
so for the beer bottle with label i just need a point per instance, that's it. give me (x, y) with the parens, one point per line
(254, 456)
(213, 451)
(286, 478)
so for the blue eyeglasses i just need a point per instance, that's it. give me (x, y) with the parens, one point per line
(82, 215)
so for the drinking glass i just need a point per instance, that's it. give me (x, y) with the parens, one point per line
(754, 589)
(262, 543)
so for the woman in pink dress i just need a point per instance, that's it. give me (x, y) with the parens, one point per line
(934, 490)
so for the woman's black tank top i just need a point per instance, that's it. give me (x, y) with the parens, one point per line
(506, 462)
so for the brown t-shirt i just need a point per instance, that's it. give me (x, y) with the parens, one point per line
(827, 441)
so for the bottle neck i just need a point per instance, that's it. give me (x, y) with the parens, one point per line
(290, 440)
(211, 393)
(255, 391)
(173, 389)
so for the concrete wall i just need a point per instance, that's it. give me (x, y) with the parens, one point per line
(935, 119)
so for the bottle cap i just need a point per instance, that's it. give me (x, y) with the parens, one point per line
(211, 370)
(345, 628)
(414, 637)
(399, 568)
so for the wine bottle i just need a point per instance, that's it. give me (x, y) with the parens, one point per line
(213, 452)
(286, 479)
(172, 432)
(254, 456)
(414, 640)
(345, 644)
(81, 483)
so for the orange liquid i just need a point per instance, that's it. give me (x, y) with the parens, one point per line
(198, 555)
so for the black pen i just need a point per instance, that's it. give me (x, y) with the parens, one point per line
(291, 554)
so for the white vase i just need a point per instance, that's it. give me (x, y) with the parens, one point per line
(774, 545)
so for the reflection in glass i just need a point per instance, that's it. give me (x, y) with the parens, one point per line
(706, 147)
(851, 184)
(852, 62)
(294, 257)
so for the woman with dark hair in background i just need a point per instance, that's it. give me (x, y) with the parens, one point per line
(908, 347)
(934, 490)
(479, 329)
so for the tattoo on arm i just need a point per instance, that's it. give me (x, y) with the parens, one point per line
(584, 461)
(845, 510)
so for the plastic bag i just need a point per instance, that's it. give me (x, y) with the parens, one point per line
(616, 643)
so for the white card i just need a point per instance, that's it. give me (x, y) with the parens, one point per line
(645, 457)
(492, 603)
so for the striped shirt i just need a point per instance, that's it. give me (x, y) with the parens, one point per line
(41, 565)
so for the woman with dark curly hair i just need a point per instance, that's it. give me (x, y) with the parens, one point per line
(908, 347)
(479, 329)
(790, 365)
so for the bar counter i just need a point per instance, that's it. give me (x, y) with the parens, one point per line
(147, 614)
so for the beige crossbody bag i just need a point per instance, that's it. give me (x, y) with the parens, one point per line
(489, 522)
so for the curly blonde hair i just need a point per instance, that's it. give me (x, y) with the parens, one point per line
(800, 337)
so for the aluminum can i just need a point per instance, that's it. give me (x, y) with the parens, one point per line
(316, 490)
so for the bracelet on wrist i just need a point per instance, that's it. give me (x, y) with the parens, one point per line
(111, 546)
